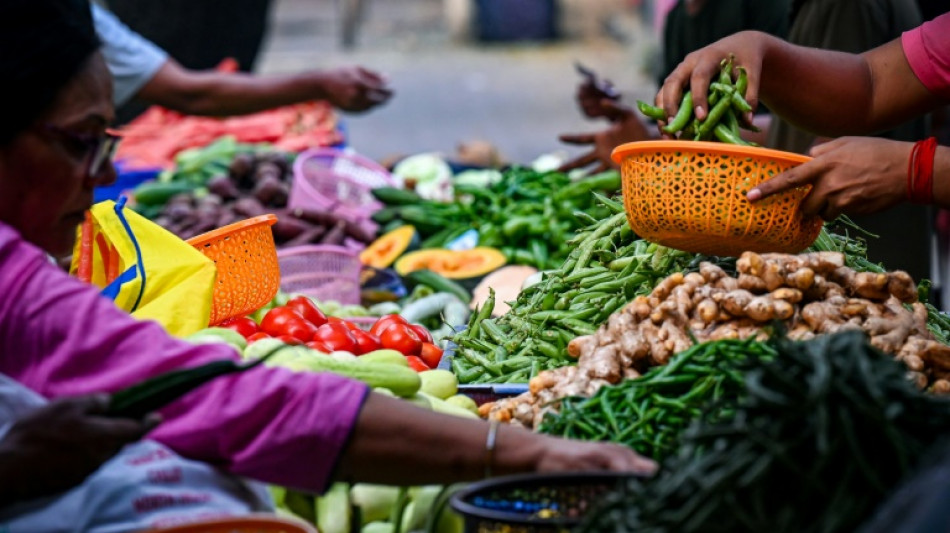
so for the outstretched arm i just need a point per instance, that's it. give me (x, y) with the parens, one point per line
(825, 92)
(225, 93)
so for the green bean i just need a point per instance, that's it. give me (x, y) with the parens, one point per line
(682, 116)
(715, 115)
(650, 111)
(729, 136)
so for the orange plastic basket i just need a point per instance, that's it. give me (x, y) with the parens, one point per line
(246, 259)
(692, 196)
(258, 523)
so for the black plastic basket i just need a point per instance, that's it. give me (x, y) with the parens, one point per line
(537, 503)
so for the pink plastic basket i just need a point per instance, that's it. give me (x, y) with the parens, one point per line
(333, 180)
(321, 272)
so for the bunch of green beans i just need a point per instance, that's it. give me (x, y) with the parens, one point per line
(727, 108)
(607, 268)
(650, 413)
(820, 436)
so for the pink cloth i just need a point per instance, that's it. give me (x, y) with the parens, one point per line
(927, 49)
(59, 337)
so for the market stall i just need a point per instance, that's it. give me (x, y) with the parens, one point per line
(652, 307)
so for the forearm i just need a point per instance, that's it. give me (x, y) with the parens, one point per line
(821, 91)
(219, 94)
(834, 94)
(395, 442)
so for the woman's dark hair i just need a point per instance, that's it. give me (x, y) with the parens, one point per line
(43, 45)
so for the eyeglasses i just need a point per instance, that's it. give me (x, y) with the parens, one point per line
(99, 149)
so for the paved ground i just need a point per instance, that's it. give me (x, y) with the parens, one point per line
(518, 97)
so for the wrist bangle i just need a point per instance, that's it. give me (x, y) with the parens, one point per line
(920, 168)
(490, 446)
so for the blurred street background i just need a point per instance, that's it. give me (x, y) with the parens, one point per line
(451, 88)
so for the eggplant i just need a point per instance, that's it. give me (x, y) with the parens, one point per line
(307, 237)
(224, 187)
(178, 212)
(335, 235)
(288, 228)
(267, 169)
(269, 189)
(227, 217)
(352, 229)
(248, 207)
(241, 167)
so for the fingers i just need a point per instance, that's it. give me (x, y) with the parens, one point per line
(374, 77)
(752, 91)
(93, 404)
(578, 139)
(624, 459)
(804, 174)
(699, 86)
(580, 162)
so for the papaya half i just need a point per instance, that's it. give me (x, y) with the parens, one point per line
(464, 266)
(386, 249)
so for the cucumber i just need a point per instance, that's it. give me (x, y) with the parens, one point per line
(428, 307)
(156, 194)
(403, 381)
(394, 196)
(438, 282)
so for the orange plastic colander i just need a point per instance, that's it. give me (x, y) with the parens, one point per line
(256, 523)
(246, 258)
(692, 196)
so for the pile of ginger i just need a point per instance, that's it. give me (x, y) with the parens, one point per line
(811, 293)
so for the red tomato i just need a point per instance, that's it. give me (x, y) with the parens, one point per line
(417, 364)
(336, 337)
(349, 325)
(287, 339)
(284, 321)
(422, 332)
(431, 354)
(243, 325)
(380, 326)
(257, 336)
(366, 342)
(305, 307)
(319, 346)
(276, 320)
(401, 338)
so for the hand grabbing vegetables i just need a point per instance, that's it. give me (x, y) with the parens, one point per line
(354, 89)
(850, 175)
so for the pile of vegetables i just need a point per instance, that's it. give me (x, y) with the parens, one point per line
(607, 268)
(726, 112)
(154, 138)
(213, 188)
(823, 432)
(812, 294)
(650, 413)
(530, 216)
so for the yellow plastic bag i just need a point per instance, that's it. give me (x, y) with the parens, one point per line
(145, 269)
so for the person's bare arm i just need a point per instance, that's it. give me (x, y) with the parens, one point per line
(825, 92)
(222, 93)
(398, 443)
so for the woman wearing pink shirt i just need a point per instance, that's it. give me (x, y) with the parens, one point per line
(59, 338)
(836, 94)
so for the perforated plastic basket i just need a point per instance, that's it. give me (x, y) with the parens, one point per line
(536, 503)
(339, 181)
(691, 196)
(246, 260)
(322, 272)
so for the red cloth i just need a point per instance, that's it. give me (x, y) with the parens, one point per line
(927, 49)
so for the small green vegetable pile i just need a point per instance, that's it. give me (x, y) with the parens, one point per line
(650, 413)
(607, 267)
(727, 107)
(821, 435)
(530, 216)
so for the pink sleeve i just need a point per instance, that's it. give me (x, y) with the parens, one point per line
(927, 49)
(59, 337)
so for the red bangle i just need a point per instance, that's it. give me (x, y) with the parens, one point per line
(920, 171)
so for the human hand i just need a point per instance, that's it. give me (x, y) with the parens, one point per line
(700, 67)
(852, 175)
(628, 128)
(562, 455)
(57, 446)
(355, 89)
(595, 102)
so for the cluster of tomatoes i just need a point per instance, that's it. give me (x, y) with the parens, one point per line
(301, 322)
